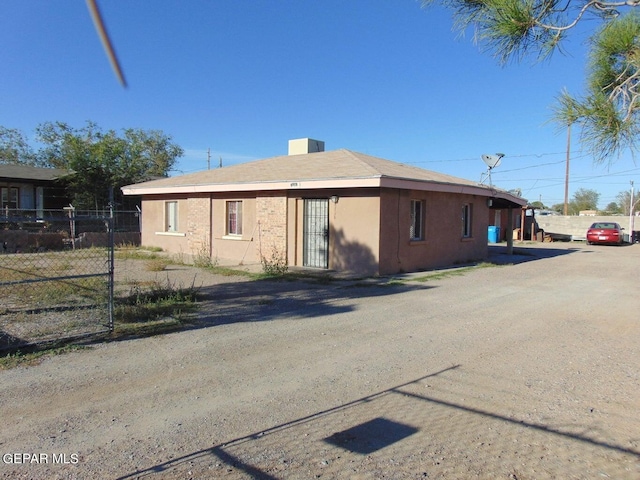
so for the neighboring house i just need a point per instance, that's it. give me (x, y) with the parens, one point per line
(31, 190)
(338, 210)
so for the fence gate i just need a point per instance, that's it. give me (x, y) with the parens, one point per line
(56, 278)
(316, 233)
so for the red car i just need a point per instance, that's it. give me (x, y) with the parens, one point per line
(605, 232)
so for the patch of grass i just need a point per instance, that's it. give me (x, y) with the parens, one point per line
(147, 329)
(151, 249)
(452, 273)
(28, 359)
(155, 303)
(200, 260)
(73, 291)
(153, 310)
(12, 274)
(156, 264)
(320, 278)
(230, 272)
(392, 282)
(138, 254)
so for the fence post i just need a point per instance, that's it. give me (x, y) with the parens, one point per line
(72, 224)
(111, 248)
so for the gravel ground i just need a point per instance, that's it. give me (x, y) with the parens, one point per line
(524, 371)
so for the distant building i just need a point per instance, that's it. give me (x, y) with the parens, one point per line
(31, 190)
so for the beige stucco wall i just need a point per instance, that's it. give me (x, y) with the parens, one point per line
(368, 228)
(354, 233)
(234, 248)
(353, 229)
(202, 226)
(153, 228)
(443, 242)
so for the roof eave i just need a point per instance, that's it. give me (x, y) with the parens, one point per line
(329, 183)
(254, 186)
(446, 187)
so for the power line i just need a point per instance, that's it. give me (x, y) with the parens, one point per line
(507, 157)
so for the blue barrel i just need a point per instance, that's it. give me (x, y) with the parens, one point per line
(494, 234)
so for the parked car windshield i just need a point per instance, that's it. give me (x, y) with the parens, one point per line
(606, 225)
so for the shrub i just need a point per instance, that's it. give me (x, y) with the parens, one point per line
(276, 264)
(202, 257)
(147, 304)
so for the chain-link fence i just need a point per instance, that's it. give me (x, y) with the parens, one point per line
(56, 278)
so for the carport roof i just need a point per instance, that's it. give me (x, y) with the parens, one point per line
(331, 169)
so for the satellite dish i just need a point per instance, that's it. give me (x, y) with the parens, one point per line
(492, 161)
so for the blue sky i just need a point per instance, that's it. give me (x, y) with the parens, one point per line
(241, 78)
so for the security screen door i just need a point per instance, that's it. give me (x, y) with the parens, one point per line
(316, 233)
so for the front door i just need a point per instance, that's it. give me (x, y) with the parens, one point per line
(316, 233)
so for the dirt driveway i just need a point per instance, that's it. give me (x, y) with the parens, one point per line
(525, 371)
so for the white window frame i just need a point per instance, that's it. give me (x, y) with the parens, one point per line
(416, 219)
(40, 202)
(467, 220)
(10, 196)
(234, 218)
(171, 216)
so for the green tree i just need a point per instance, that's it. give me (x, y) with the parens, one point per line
(609, 112)
(613, 208)
(103, 160)
(583, 199)
(14, 147)
(624, 199)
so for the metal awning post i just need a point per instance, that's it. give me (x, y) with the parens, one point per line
(510, 231)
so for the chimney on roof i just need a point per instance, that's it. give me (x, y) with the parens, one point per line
(305, 145)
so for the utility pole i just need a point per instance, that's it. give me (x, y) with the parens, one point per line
(220, 164)
(566, 175)
(631, 215)
(208, 158)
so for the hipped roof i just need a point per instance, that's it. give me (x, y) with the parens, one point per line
(331, 169)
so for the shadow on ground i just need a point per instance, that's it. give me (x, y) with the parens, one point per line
(498, 254)
(265, 300)
(296, 448)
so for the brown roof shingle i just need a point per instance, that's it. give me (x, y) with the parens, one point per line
(335, 164)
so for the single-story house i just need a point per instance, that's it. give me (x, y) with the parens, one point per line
(338, 210)
(32, 190)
